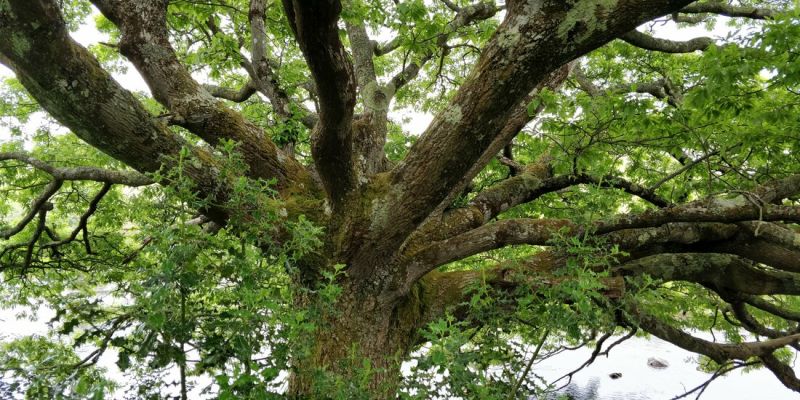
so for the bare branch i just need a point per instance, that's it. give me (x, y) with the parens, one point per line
(721, 371)
(610, 181)
(451, 5)
(38, 204)
(408, 73)
(514, 167)
(719, 352)
(683, 169)
(40, 226)
(771, 308)
(722, 8)
(464, 16)
(84, 220)
(598, 350)
(648, 42)
(660, 89)
(386, 48)
(128, 178)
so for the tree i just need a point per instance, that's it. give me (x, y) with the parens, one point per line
(579, 176)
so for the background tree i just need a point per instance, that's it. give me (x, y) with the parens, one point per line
(650, 185)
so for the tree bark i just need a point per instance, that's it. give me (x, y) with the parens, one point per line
(359, 345)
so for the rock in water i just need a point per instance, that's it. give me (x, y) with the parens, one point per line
(657, 363)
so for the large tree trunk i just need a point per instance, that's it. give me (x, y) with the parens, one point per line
(358, 347)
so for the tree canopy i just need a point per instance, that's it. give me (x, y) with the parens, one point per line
(263, 218)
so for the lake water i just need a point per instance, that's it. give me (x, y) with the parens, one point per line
(638, 381)
(641, 382)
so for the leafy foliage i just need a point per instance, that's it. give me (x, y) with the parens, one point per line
(168, 291)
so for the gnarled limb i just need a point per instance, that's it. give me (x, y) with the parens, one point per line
(262, 75)
(447, 292)
(520, 189)
(145, 42)
(453, 244)
(774, 233)
(491, 236)
(747, 206)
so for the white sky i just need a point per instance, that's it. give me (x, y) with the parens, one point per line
(759, 384)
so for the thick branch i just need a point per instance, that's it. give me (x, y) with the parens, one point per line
(491, 236)
(648, 42)
(746, 206)
(773, 309)
(774, 233)
(243, 94)
(720, 271)
(520, 189)
(640, 242)
(315, 25)
(452, 238)
(261, 71)
(783, 372)
(371, 127)
(362, 50)
(447, 292)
